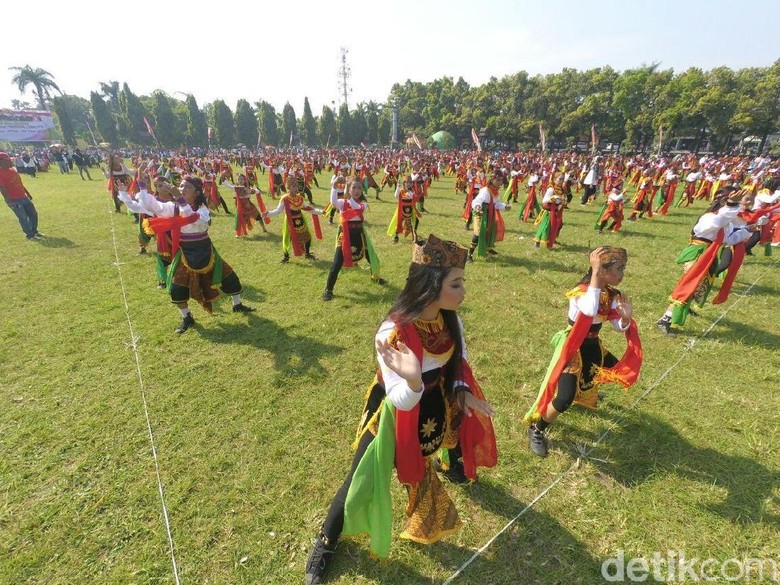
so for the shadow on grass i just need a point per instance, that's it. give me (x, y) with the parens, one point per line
(643, 446)
(748, 335)
(55, 242)
(353, 557)
(535, 549)
(294, 355)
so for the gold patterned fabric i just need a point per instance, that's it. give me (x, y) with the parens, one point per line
(432, 514)
(439, 253)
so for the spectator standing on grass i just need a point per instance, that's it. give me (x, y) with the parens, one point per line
(18, 198)
(82, 163)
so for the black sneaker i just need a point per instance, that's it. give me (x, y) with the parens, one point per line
(142, 250)
(242, 308)
(185, 324)
(327, 295)
(665, 326)
(311, 257)
(319, 559)
(380, 281)
(162, 284)
(285, 259)
(395, 240)
(492, 252)
(537, 441)
(469, 259)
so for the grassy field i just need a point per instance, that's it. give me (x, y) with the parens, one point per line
(253, 416)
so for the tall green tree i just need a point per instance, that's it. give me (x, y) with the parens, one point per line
(197, 125)
(247, 129)
(165, 121)
(132, 114)
(289, 124)
(65, 122)
(758, 107)
(359, 129)
(106, 125)
(308, 129)
(326, 127)
(269, 129)
(222, 122)
(344, 126)
(41, 80)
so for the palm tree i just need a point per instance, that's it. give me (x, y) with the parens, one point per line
(39, 78)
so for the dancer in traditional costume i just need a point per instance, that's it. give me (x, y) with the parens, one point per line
(717, 245)
(612, 210)
(210, 188)
(489, 225)
(550, 220)
(117, 172)
(423, 398)
(406, 217)
(196, 268)
(580, 363)
(296, 236)
(643, 201)
(246, 212)
(352, 240)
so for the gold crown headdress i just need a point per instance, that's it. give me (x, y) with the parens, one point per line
(439, 253)
(613, 254)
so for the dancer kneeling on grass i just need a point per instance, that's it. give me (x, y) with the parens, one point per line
(424, 398)
(196, 268)
(580, 363)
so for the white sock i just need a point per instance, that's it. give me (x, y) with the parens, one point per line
(184, 312)
(236, 299)
(668, 314)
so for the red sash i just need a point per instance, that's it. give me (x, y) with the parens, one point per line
(477, 439)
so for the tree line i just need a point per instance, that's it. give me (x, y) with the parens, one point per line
(630, 107)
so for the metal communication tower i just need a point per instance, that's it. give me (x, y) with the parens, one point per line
(345, 72)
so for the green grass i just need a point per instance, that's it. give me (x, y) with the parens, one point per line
(253, 416)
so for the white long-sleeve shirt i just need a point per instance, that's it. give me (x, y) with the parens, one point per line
(168, 209)
(726, 219)
(396, 388)
(341, 203)
(484, 196)
(588, 305)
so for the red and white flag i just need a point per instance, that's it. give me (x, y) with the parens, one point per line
(149, 129)
(475, 138)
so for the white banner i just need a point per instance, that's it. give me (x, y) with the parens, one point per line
(25, 125)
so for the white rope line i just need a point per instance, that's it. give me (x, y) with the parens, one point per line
(586, 452)
(134, 344)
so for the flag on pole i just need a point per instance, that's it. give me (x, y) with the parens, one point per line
(291, 135)
(593, 139)
(149, 129)
(210, 133)
(475, 138)
(417, 141)
(542, 138)
(660, 137)
(91, 133)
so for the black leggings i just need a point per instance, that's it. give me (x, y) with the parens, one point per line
(590, 352)
(338, 262)
(334, 521)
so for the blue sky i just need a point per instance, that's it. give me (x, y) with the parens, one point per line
(287, 50)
